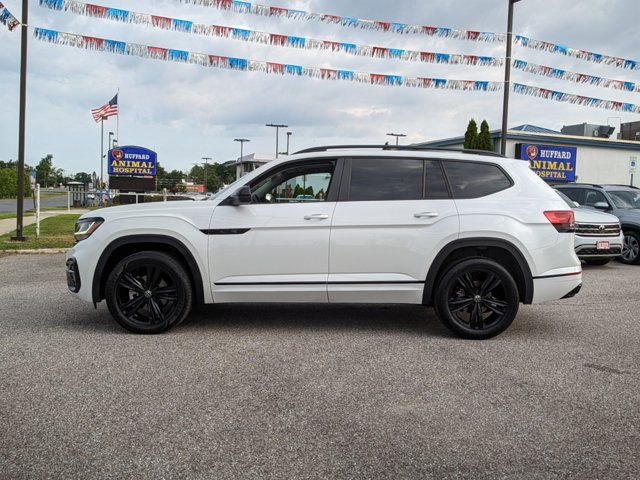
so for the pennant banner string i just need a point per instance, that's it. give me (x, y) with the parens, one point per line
(242, 64)
(575, 77)
(397, 27)
(187, 26)
(576, 53)
(7, 19)
(444, 32)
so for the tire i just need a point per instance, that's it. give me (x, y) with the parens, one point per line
(149, 293)
(477, 299)
(631, 248)
(597, 261)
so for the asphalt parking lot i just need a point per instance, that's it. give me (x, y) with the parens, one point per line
(317, 392)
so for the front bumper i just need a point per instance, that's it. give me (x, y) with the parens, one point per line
(587, 246)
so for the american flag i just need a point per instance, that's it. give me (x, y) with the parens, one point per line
(107, 110)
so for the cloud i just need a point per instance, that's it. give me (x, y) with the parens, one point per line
(185, 111)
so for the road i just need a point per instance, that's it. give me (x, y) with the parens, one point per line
(9, 205)
(274, 391)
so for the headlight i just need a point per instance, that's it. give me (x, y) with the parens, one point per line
(85, 228)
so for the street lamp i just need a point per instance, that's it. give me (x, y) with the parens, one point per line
(397, 135)
(111, 135)
(507, 79)
(277, 127)
(288, 141)
(206, 167)
(242, 141)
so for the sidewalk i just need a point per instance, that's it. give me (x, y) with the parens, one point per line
(9, 224)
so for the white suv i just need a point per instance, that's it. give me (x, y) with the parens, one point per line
(471, 234)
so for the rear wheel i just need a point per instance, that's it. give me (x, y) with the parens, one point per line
(149, 292)
(631, 248)
(477, 299)
(597, 261)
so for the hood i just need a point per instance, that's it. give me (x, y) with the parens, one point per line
(177, 208)
(587, 215)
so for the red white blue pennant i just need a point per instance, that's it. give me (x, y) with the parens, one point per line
(242, 64)
(7, 19)
(175, 24)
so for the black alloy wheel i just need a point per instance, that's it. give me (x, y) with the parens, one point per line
(631, 248)
(149, 292)
(477, 299)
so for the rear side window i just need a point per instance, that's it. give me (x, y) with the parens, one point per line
(474, 180)
(435, 183)
(575, 194)
(386, 179)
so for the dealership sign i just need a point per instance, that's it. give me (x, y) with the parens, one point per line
(551, 163)
(132, 162)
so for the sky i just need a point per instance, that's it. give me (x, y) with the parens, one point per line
(186, 112)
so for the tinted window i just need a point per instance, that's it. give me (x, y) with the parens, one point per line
(473, 180)
(575, 194)
(436, 185)
(386, 179)
(295, 184)
(592, 197)
(626, 199)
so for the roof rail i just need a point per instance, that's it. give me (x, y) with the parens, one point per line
(621, 185)
(411, 148)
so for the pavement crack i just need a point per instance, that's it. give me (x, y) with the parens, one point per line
(604, 368)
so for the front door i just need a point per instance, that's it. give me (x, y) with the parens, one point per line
(396, 216)
(275, 249)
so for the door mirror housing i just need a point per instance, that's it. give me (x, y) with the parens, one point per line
(601, 206)
(241, 197)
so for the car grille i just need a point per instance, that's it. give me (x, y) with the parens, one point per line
(597, 229)
(595, 251)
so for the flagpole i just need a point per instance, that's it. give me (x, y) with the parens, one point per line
(101, 151)
(118, 120)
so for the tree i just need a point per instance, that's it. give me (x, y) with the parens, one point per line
(43, 170)
(82, 177)
(485, 141)
(471, 136)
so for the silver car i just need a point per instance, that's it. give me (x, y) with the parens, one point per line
(599, 236)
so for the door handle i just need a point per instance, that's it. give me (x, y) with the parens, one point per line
(426, 215)
(317, 216)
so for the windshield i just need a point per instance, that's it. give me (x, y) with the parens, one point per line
(566, 199)
(626, 200)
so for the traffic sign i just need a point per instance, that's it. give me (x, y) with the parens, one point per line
(633, 165)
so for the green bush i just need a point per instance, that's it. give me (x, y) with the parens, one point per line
(9, 183)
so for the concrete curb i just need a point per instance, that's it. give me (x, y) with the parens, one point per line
(43, 251)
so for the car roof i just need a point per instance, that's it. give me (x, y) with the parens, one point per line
(607, 187)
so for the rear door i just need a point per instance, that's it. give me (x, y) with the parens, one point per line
(393, 217)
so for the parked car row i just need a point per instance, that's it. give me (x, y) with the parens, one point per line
(607, 221)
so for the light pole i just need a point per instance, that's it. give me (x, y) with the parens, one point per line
(277, 127)
(507, 79)
(111, 135)
(206, 167)
(289, 141)
(22, 121)
(242, 141)
(397, 135)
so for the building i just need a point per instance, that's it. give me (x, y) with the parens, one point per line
(588, 130)
(557, 157)
(249, 163)
(630, 131)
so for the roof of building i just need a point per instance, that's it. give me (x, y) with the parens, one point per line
(533, 129)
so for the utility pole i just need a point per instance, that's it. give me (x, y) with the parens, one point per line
(242, 141)
(277, 127)
(206, 167)
(101, 152)
(289, 141)
(507, 79)
(397, 135)
(22, 123)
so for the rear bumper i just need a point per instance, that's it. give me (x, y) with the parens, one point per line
(555, 287)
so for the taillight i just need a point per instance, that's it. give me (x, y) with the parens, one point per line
(563, 220)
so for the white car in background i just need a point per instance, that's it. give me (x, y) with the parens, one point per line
(472, 234)
(599, 236)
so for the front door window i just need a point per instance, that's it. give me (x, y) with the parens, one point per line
(307, 183)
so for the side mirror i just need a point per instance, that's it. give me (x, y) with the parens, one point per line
(241, 197)
(601, 205)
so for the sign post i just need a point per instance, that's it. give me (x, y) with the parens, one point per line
(633, 167)
(37, 199)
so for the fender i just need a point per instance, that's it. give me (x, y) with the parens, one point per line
(478, 242)
(194, 270)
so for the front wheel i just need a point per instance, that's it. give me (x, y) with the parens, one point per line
(631, 248)
(149, 292)
(477, 299)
